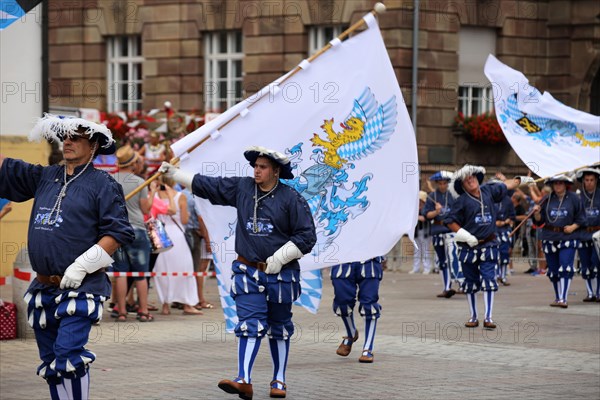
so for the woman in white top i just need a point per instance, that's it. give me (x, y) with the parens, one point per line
(154, 153)
(180, 289)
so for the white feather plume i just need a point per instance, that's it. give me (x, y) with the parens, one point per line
(54, 128)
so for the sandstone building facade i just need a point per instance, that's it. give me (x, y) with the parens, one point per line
(204, 55)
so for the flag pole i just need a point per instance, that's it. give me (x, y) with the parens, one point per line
(378, 8)
(516, 229)
(564, 172)
(539, 180)
(529, 215)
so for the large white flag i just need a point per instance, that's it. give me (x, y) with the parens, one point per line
(547, 135)
(343, 123)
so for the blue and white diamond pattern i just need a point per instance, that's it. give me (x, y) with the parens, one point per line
(380, 122)
(312, 289)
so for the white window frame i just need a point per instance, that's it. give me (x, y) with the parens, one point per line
(483, 94)
(132, 100)
(318, 36)
(214, 57)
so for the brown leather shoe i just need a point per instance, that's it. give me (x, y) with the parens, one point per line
(447, 293)
(472, 323)
(243, 389)
(590, 299)
(276, 392)
(345, 349)
(366, 357)
(563, 304)
(555, 304)
(489, 324)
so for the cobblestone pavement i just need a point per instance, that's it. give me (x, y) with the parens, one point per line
(422, 350)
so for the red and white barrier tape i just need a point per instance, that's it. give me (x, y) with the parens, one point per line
(22, 276)
(150, 274)
(17, 274)
(5, 280)
(28, 276)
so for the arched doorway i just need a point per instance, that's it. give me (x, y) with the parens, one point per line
(595, 95)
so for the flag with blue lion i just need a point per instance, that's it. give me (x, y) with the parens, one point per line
(352, 148)
(547, 135)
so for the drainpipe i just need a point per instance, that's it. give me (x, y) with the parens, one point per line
(415, 64)
(45, 66)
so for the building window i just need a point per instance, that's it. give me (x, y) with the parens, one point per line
(474, 91)
(474, 100)
(319, 36)
(124, 73)
(223, 68)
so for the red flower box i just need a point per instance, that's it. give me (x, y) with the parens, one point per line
(482, 128)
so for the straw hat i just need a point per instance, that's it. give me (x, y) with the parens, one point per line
(126, 156)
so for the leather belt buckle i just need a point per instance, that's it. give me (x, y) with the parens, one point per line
(261, 266)
(50, 280)
(488, 239)
(55, 280)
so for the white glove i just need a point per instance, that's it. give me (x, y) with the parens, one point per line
(462, 235)
(285, 254)
(526, 180)
(596, 236)
(87, 263)
(178, 175)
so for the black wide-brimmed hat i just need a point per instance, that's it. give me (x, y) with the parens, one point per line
(464, 172)
(587, 170)
(285, 168)
(558, 178)
(58, 127)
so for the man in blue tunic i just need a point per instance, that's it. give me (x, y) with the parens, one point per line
(560, 215)
(78, 220)
(436, 208)
(473, 218)
(590, 259)
(505, 217)
(274, 229)
(359, 278)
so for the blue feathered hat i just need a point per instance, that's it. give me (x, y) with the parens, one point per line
(285, 168)
(441, 176)
(57, 127)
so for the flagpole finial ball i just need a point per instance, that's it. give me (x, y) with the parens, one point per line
(379, 8)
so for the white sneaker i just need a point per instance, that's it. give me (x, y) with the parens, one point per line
(413, 272)
(426, 272)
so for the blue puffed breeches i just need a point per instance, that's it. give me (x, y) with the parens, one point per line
(62, 325)
(364, 278)
(479, 268)
(264, 302)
